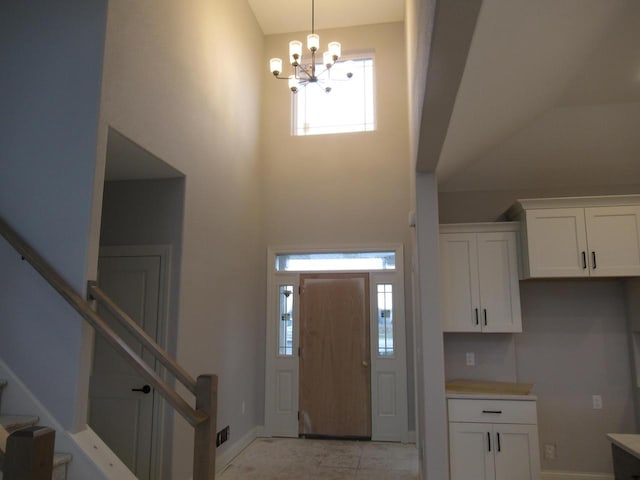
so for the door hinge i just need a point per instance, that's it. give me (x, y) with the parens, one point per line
(298, 351)
(298, 415)
(299, 290)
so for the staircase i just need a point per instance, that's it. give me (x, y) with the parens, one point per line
(15, 422)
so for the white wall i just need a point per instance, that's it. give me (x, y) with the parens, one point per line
(52, 64)
(347, 189)
(180, 82)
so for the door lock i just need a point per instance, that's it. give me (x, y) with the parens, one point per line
(145, 389)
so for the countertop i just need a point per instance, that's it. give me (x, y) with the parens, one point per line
(491, 396)
(630, 442)
(489, 390)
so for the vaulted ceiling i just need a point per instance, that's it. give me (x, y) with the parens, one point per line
(549, 97)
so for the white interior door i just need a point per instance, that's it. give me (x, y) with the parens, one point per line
(121, 407)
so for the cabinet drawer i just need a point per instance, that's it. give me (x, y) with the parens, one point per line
(492, 411)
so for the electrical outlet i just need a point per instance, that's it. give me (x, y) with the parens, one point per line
(471, 359)
(597, 402)
(549, 450)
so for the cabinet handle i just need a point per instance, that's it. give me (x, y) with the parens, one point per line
(498, 436)
(489, 440)
(584, 260)
(485, 316)
(477, 320)
(593, 257)
(497, 412)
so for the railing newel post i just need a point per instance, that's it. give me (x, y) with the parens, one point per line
(204, 457)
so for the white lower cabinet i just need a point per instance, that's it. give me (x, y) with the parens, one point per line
(493, 440)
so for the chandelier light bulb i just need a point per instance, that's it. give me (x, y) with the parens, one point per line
(349, 68)
(327, 59)
(313, 42)
(335, 49)
(293, 83)
(295, 51)
(275, 65)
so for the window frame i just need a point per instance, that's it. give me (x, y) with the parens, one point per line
(361, 56)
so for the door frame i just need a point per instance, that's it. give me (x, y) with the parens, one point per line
(282, 373)
(160, 410)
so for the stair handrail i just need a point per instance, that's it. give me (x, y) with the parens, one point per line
(96, 293)
(205, 388)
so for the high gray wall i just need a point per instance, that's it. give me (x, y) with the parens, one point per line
(348, 189)
(574, 345)
(180, 82)
(51, 55)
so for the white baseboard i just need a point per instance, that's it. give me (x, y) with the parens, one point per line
(557, 475)
(235, 449)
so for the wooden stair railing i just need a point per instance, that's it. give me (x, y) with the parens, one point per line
(205, 387)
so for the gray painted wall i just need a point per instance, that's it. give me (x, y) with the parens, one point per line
(171, 86)
(51, 69)
(574, 345)
(349, 189)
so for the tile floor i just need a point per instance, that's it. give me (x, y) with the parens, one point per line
(289, 459)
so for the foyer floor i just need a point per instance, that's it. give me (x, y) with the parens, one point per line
(289, 459)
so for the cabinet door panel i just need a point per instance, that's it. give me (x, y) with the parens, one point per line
(459, 282)
(556, 240)
(471, 457)
(499, 287)
(516, 453)
(614, 237)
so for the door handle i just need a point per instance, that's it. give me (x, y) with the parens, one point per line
(477, 321)
(593, 257)
(145, 389)
(584, 260)
(485, 316)
(365, 363)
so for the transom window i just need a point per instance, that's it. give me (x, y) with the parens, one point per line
(349, 107)
(339, 261)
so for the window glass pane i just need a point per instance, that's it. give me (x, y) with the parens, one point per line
(385, 319)
(349, 107)
(285, 322)
(347, 261)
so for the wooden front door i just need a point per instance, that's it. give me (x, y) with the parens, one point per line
(335, 355)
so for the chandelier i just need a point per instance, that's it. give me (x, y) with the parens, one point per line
(306, 73)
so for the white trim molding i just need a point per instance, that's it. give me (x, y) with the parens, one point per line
(559, 475)
(224, 460)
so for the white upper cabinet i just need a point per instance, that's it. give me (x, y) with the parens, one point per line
(479, 278)
(580, 237)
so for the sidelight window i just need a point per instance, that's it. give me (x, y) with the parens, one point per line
(385, 319)
(285, 324)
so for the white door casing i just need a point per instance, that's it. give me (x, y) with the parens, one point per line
(388, 373)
